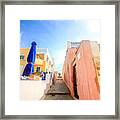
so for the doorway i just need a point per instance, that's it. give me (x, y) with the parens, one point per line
(75, 82)
(38, 69)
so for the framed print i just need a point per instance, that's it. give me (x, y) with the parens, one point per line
(60, 60)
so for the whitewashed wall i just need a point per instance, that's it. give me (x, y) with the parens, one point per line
(31, 89)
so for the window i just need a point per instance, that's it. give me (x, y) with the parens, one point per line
(21, 57)
(38, 69)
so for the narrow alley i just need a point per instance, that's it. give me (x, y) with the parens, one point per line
(77, 79)
(58, 91)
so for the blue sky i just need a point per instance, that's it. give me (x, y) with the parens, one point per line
(54, 34)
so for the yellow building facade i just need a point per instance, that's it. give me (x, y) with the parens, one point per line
(42, 61)
(23, 58)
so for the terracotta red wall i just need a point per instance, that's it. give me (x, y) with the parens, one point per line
(67, 69)
(86, 75)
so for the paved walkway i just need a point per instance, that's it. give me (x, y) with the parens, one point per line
(58, 91)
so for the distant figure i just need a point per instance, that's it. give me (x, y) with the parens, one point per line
(41, 74)
(44, 76)
(48, 77)
(59, 75)
(51, 77)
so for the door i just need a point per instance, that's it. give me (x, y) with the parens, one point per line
(75, 82)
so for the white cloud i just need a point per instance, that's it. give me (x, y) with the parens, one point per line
(93, 31)
(93, 26)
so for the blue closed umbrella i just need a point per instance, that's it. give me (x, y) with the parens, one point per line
(29, 68)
